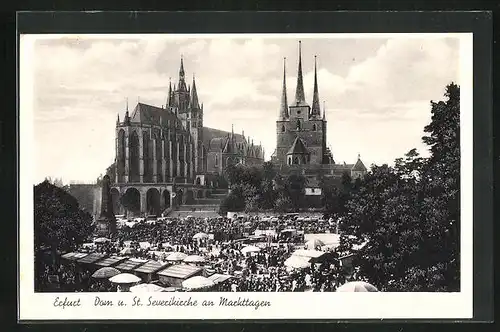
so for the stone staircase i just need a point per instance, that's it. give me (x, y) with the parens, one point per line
(201, 207)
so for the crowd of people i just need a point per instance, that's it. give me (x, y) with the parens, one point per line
(221, 244)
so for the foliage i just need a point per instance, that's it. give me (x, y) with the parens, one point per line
(409, 214)
(111, 172)
(60, 223)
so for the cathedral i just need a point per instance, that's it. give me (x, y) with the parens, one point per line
(301, 140)
(165, 155)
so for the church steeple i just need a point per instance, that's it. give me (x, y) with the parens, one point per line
(324, 111)
(194, 96)
(315, 111)
(182, 77)
(300, 99)
(169, 98)
(284, 103)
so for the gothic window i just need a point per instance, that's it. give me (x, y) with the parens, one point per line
(296, 160)
(314, 127)
(299, 125)
(283, 128)
(216, 160)
(289, 160)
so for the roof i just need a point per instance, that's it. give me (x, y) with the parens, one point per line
(148, 114)
(218, 278)
(359, 166)
(130, 264)
(110, 261)
(308, 253)
(180, 271)
(298, 147)
(151, 267)
(210, 133)
(73, 256)
(91, 258)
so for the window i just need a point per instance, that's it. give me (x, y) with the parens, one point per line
(283, 128)
(296, 161)
(216, 160)
(299, 125)
(312, 190)
(298, 112)
(314, 127)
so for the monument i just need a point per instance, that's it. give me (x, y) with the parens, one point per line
(106, 223)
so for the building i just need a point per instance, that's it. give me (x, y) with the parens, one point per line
(165, 156)
(301, 138)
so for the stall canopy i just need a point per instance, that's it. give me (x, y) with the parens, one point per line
(111, 261)
(130, 264)
(74, 256)
(311, 254)
(219, 278)
(150, 267)
(181, 271)
(91, 258)
(146, 288)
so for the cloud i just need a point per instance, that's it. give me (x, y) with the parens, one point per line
(376, 91)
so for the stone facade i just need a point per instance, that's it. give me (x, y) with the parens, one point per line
(166, 156)
(301, 135)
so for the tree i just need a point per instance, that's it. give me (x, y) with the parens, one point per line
(283, 203)
(409, 214)
(60, 223)
(111, 172)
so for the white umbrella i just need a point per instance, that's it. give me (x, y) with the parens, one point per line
(101, 240)
(124, 278)
(105, 273)
(176, 256)
(200, 236)
(297, 262)
(314, 243)
(197, 283)
(248, 249)
(127, 251)
(357, 286)
(146, 288)
(194, 259)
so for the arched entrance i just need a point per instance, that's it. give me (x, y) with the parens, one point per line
(131, 201)
(134, 157)
(189, 197)
(153, 202)
(115, 198)
(166, 199)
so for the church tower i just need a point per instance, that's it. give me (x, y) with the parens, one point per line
(195, 124)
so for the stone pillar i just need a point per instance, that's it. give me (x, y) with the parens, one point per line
(155, 165)
(127, 158)
(178, 160)
(170, 159)
(163, 161)
(141, 157)
(186, 173)
(143, 202)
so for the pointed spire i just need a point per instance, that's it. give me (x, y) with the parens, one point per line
(284, 102)
(126, 104)
(315, 111)
(324, 111)
(194, 96)
(118, 119)
(169, 99)
(300, 99)
(182, 75)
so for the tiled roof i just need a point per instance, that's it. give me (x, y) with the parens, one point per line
(180, 271)
(359, 166)
(298, 147)
(211, 133)
(91, 258)
(130, 264)
(73, 256)
(110, 261)
(151, 267)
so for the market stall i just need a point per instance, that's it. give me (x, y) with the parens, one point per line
(148, 270)
(130, 264)
(111, 261)
(174, 275)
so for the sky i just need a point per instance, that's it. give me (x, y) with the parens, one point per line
(376, 91)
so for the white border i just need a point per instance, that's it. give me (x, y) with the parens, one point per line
(38, 306)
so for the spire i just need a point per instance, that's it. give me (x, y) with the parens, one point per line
(118, 119)
(315, 111)
(169, 99)
(300, 99)
(284, 102)
(324, 111)
(182, 81)
(126, 104)
(194, 96)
